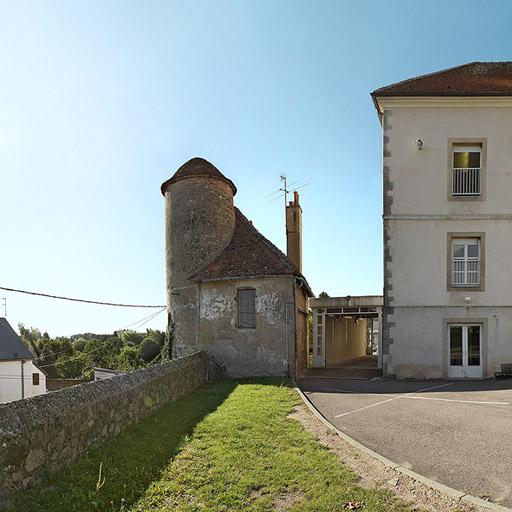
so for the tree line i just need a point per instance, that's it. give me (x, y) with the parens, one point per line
(74, 357)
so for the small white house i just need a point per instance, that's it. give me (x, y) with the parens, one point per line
(19, 376)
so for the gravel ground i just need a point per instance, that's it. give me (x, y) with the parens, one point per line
(372, 472)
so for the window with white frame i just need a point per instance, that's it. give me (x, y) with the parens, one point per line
(246, 298)
(466, 169)
(466, 262)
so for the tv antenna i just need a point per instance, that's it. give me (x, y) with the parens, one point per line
(285, 189)
(4, 304)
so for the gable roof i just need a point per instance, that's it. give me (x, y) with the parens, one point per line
(249, 254)
(472, 79)
(11, 346)
(197, 168)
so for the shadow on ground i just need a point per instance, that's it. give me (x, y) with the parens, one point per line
(114, 474)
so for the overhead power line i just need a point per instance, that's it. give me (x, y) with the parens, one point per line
(100, 346)
(138, 324)
(73, 299)
(143, 321)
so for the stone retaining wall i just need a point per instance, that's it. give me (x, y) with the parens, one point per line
(47, 432)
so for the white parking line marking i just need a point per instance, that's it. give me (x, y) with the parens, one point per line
(453, 400)
(437, 399)
(353, 392)
(391, 399)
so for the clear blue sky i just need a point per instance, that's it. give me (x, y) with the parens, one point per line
(102, 101)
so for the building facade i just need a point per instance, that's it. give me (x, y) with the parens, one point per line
(447, 180)
(230, 291)
(19, 376)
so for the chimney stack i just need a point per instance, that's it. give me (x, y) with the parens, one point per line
(294, 232)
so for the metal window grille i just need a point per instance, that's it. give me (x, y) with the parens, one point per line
(466, 181)
(466, 170)
(246, 308)
(466, 263)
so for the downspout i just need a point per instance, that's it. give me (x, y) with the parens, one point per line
(287, 351)
(22, 379)
(294, 329)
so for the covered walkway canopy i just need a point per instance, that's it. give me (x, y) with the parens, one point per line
(346, 329)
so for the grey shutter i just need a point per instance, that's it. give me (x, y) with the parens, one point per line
(247, 309)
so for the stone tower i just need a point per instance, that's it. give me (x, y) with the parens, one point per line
(199, 224)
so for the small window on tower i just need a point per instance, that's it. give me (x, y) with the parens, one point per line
(246, 299)
(35, 379)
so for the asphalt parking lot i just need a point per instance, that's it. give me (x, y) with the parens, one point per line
(456, 432)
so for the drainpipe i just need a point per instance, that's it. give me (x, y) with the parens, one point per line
(287, 351)
(294, 324)
(22, 379)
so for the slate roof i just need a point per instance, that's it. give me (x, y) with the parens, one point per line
(472, 79)
(11, 346)
(196, 168)
(249, 254)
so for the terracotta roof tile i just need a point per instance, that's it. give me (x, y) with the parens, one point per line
(194, 168)
(473, 79)
(249, 254)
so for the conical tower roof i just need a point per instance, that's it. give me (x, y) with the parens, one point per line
(197, 168)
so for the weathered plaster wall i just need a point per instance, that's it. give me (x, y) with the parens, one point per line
(267, 350)
(301, 330)
(44, 433)
(199, 224)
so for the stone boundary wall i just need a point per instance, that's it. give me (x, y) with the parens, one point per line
(47, 432)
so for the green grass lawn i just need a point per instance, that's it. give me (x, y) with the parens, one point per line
(227, 447)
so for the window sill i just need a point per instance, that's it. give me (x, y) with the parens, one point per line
(464, 288)
(465, 198)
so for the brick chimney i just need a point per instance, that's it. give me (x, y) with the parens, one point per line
(294, 232)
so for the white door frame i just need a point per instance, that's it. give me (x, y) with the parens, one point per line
(318, 338)
(465, 370)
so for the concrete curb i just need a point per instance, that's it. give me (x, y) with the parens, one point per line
(444, 489)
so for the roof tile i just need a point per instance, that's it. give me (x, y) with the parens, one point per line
(197, 168)
(473, 79)
(249, 254)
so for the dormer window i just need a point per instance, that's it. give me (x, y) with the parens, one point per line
(466, 170)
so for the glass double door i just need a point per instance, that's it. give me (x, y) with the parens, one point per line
(465, 351)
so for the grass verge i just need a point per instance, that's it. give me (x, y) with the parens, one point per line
(227, 447)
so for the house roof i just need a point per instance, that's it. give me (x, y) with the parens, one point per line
(197, 168)
(249, 254)
(472, 79)
(11, 346)
(108, 370)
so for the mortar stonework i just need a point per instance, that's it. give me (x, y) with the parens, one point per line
(199, 224)
(42, 434)
(387, 310)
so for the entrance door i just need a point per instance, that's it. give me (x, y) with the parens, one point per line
(465, 351)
